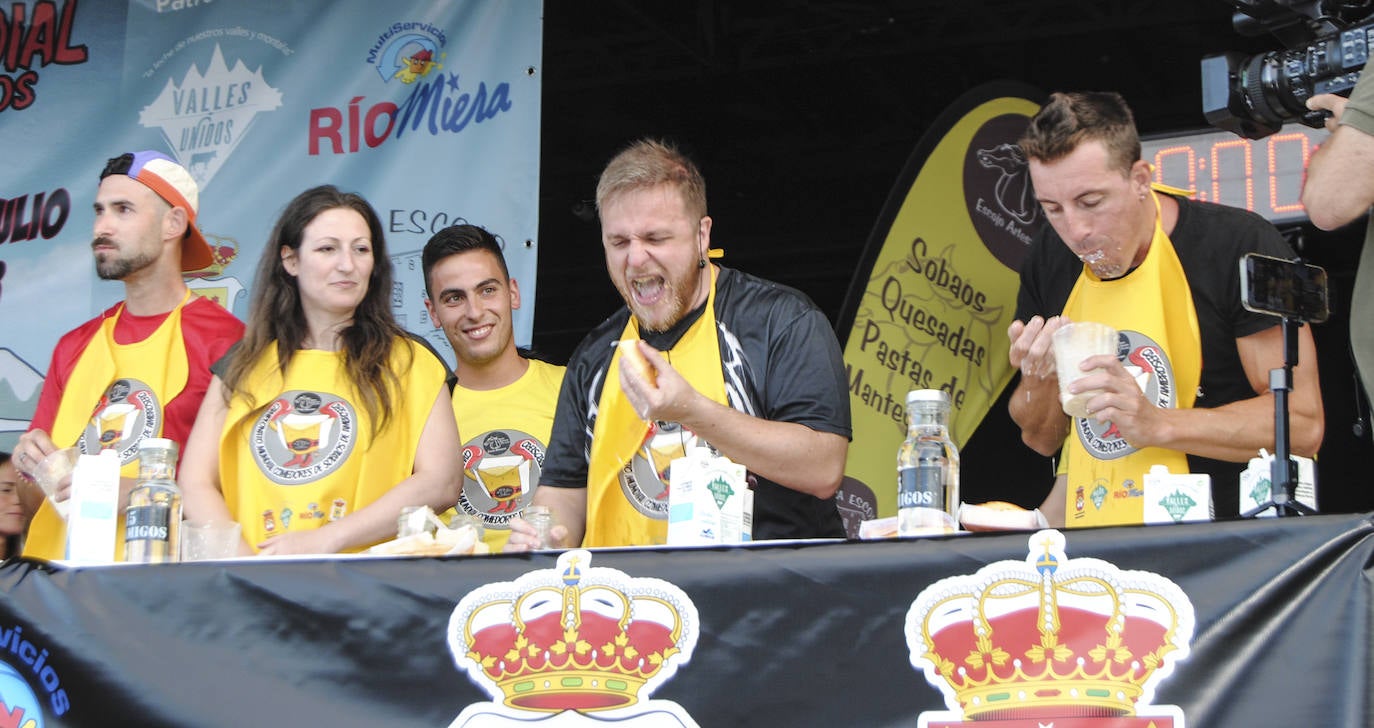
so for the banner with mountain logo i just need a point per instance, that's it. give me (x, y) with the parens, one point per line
(429, 110)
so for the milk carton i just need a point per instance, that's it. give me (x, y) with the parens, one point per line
(1255, 484)
(93, 510)
(1177, 498)
(709, 501)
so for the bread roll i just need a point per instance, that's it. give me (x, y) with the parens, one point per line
(634, 359)
(443, 542)
(999, 516)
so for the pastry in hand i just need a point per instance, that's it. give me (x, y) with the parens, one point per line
(634, 359)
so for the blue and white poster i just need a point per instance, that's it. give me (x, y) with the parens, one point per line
(428, 109)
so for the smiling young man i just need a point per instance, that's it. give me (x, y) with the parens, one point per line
(747, 366)
(141, 368)
(503, 401)
(1189, 387)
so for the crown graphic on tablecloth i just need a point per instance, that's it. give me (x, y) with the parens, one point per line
(574, 637)
(1049, 636)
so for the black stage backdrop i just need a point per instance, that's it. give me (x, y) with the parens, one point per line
(801, 114)
(790, 634)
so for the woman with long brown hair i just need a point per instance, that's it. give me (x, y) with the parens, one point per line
(328, 418)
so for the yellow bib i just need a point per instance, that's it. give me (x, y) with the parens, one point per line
(114, 398)
(619, 434)
(505, 432)
(304, 455)
(1152, 307)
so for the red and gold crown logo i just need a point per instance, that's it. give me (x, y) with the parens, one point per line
(574, 637)
(1049, 637)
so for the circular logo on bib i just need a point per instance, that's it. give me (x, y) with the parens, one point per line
(645, 478)
(500, 472)
(1146, 361)
(303, 436)
(128, 412)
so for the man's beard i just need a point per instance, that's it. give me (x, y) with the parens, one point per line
(674, 306)
(116, 268)
(675, 312)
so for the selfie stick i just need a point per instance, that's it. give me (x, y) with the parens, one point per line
(1283, 473)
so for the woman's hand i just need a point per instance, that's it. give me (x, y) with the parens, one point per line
(315, 541)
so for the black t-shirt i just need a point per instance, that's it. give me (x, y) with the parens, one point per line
(1209, 240)
(781, 362)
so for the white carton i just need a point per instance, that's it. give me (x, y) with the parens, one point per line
(93, 513)
(1177, 498)
(1255, 484)
(709, 501)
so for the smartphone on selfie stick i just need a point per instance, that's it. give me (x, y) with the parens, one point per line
(1296, 292)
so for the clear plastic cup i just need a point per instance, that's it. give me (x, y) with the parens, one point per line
(1072, 343)
(541, 517)
(460, 519)
(210, 540)
(52, 470)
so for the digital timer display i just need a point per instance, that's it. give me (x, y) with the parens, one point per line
(1261, 175)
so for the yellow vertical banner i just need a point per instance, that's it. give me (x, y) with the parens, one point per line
(932, 299)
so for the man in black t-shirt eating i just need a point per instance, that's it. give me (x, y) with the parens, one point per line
(1188, 386)
(710, 356)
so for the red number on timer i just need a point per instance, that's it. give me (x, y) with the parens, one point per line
(1303, 149)
(1226, 167)
(1247, 165)
(1164, 170)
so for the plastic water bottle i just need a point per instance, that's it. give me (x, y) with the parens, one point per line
(152, 532)
(927, 468)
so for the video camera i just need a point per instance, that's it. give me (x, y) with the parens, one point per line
(1328, 43)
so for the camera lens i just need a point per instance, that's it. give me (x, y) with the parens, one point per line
(1255, 96)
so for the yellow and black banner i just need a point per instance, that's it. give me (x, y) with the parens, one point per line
(936, 290)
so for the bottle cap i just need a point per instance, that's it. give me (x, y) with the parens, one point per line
(156, 443)
(157, 457)
(927, 395)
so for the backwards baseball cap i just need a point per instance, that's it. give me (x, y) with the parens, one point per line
(174, 184)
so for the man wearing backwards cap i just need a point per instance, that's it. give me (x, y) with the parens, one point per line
(139, 369)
